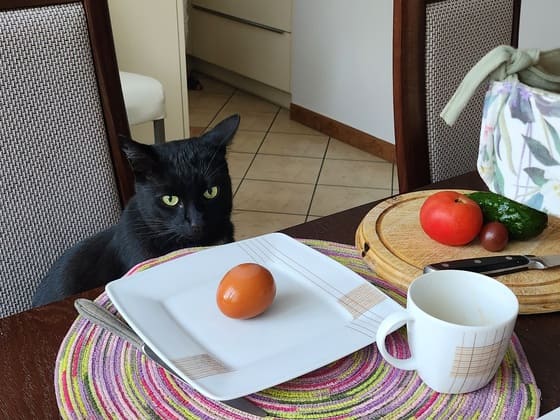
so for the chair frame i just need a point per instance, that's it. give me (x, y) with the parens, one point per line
(159, 131)
(106, 68)
(409, 94)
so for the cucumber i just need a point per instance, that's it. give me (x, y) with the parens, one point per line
(522, 222)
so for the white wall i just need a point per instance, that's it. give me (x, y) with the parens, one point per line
(342, 57)
(539, 26)
(341, 62)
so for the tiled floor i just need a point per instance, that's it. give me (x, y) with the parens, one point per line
(285, 173)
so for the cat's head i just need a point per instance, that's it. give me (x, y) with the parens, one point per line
(183, 187)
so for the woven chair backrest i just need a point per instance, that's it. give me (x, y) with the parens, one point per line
(58, 182)
(458, 34)
(435, 44)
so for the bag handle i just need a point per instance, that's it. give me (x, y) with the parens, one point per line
(498, 64)
(545, 74)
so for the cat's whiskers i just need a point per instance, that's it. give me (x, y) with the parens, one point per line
(157, 229)
(151, 227)
(176, 236)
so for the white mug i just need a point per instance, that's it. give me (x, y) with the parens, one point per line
(459, 325)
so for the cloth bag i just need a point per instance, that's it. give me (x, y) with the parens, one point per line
(519, 150)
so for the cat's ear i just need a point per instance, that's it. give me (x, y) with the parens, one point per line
(222, 134)
(142, 157)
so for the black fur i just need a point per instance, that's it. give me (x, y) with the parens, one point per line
(148, 228)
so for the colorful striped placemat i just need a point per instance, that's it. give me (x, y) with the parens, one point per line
(99, 375)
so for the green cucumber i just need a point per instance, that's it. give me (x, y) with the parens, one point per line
(522, 222)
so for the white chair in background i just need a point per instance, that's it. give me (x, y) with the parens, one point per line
(144, 99)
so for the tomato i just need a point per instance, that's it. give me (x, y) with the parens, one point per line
(494, 236)
(451, 218)
(245, 291)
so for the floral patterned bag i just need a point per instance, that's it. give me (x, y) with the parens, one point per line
(519, 151)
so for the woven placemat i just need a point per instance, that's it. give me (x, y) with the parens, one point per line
(99, 375)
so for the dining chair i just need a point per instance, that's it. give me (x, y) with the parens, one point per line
(144, 100)
(63, 176)
(435, 43)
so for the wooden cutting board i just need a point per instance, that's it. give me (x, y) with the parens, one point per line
(394, 245)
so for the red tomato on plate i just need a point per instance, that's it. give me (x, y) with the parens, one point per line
(246, 291)
(451, 218)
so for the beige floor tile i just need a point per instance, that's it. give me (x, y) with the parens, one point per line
(295, 145)
(211, 85)
(354, 173)
(201, 100)
(309, 218)
(196, 131)
(241, 101)
(284, 168)
(238, 163)
(283, 124)
(340, 150)
(201, 117)
(235, 182)
(250, 120)
(247, 141)
(330, 199)
(277, 197)
(249, 223)
(273, 189)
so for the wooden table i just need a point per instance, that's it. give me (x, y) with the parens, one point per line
(29, 341)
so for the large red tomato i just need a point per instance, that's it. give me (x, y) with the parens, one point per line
(451, 218)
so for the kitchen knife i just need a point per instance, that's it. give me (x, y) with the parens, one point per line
(105, 319)
(498, 265)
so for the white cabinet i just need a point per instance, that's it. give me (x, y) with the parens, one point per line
(276, 14)
(249, 37)
(150, 39)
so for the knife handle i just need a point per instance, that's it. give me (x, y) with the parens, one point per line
(501, 264)
(100, 316)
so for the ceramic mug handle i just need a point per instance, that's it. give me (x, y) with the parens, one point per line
(390, 324)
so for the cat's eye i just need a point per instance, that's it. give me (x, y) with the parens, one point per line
(211, 193)
(170, 200)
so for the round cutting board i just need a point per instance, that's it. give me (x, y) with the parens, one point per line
(394, 245)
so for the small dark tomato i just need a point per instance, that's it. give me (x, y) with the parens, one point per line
(494, 236)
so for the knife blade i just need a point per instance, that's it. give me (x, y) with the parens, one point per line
(105, 319)
(499, 264)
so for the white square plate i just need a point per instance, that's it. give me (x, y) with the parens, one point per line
(322, 311)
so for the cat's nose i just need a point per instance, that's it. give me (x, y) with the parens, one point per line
(196, 228)
(193, 218)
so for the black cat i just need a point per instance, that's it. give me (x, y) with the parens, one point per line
(183, 198)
